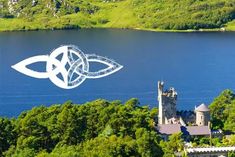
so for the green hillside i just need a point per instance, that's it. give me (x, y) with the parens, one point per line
(137, 14)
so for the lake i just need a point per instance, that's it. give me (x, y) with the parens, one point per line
(198, 65)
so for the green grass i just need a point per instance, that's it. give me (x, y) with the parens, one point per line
(122, 16)
(230, 26)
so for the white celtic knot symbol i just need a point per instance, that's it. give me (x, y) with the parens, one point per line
(70, 63)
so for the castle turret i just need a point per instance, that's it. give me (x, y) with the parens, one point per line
(167, 103)
(202, 115)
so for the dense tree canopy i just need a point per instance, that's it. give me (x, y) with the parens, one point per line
(175, 144)
(7, 134)
(98, 128)
(223, 111)
(102, 128)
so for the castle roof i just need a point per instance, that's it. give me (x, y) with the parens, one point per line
(197, 130)
(169, 129)
(202, 108)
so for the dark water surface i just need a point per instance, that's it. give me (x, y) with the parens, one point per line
(198, 65)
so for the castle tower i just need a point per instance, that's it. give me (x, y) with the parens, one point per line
(167, 103)
(202, 115)
(161, 115)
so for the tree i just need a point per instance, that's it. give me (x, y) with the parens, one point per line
(148, 143)
(111, 146)
(218, 108)
(229, 122)
(173, 145)
(32, 130)
(7, 134)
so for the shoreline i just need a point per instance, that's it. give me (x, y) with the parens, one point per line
(137, 29)
(19, 25)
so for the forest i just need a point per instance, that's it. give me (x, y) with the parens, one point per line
(157, 15)
(102, 128)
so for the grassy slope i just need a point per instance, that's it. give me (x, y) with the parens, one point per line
(230, 26)
(122, 16)
(156, 15)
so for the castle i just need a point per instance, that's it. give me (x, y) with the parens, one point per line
(170, 121)
(189, 123)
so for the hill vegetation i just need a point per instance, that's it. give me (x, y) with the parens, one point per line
(101, 128)
(137, 14)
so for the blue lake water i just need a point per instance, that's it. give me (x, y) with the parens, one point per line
(199, 66)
